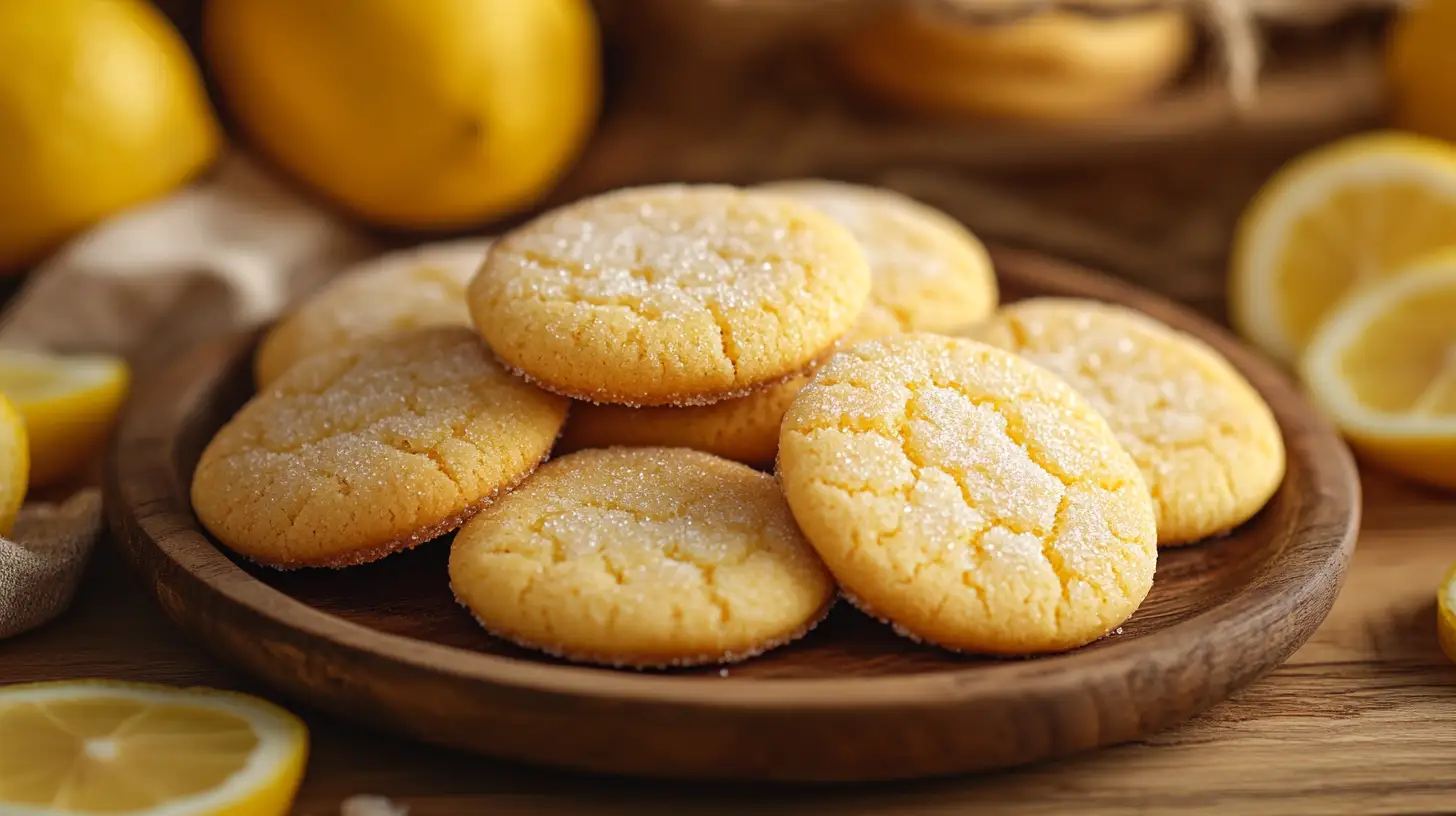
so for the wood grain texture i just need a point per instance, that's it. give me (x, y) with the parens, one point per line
(1361, 720)
(385, 644)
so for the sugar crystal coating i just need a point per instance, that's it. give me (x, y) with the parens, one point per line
(398, 291)
(376, 447)
(641, 557)
(927, 273)
(669, 295)
(1208, 446)
(970, 498)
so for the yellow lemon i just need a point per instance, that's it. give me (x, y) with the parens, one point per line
(1333, 221)
(1421, 68)
(69, 404)
(91, 746)
(428, 114)
(14, 464)
(1446, 614)
(1383, 364)
(101, 107)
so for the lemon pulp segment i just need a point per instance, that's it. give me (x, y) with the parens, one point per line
(1383, 364)
(69, 403)
(1335, 221)
(100, 747)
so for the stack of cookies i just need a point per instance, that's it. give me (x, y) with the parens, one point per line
(753, 402)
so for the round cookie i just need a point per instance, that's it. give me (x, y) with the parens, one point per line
(744, 429)
(369, 449)
(409, 289)
(1206, 442)
(1056, 65)
(669, 295)
(641, 557)
(927, 272)
(968, 497)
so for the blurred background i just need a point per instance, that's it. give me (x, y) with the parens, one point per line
(1124, 134)
(176, 170)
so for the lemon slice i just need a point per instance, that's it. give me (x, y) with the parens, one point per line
(1332, 221)
(1446, 614)
(90, 746)
(69, 404)
(1383, 364)
(14, 464)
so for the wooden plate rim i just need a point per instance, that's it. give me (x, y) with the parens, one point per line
(173, 529)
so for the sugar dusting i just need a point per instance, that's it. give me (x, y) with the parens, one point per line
(993, 498)
(670, 295)
(1203, 439)
(651, 545)
(927, 273)
(399, 291)
(664, 254)
(369, 445)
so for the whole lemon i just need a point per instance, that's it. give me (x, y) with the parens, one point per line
(101, 107)
(1421, 69)
(428, 114)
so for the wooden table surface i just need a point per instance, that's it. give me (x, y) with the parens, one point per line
(1362, 720)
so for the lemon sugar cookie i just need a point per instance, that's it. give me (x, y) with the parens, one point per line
(409, 289)
(1208, 446)
(927, 273)
(968, 497)
(669, 295)
(373, 448)
(642, 557)
(744, 429)
(1052, 66)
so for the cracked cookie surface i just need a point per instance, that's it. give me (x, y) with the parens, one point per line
(370, 449)
(1208, 445)
(643, 557)
(968, 497)
(927, 273)
(399, 291)
(669, 295)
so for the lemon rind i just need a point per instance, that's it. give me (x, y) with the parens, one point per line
(281, 736)
(69, 375)
(1321, 363)
(1292, 192)
(1446, 614)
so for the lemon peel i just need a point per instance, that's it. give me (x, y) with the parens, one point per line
(87, 745)
(1331, 222)
(69, 402)
(969, 497)
(1383, 366)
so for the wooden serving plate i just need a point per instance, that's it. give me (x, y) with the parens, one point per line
(386, 644)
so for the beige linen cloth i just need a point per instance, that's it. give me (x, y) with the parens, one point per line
(228, 252)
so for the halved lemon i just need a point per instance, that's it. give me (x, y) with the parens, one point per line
(1446, 614)
(14, 464)
(1333, 221)
(69, 403)
(103, 747)
(1383, 365)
